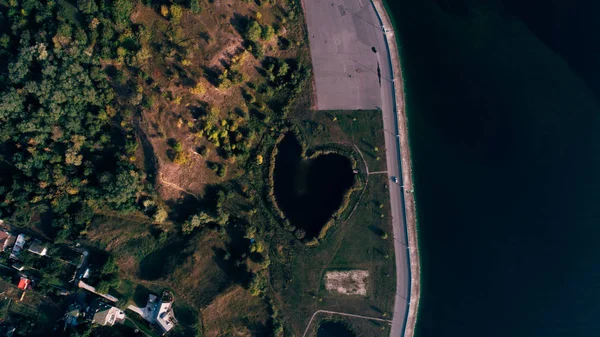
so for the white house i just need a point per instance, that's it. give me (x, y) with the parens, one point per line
(158, 311)
(106, 314)
(18, 247)
(37, 247)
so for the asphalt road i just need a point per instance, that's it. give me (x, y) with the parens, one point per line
(352, 69)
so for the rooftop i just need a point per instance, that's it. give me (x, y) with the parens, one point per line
(37, 247)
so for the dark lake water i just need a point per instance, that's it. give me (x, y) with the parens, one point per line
(334, 329)
(309, 192)
(504, 116)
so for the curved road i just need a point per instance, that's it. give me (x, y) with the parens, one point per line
(352, 70)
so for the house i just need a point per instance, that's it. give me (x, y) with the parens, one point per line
(37, 247)
(158, 311)
(6, 240)
(165, 318)
(18, 247)
(87, 273)
(72, 315)
(105, 314)
(24, 283)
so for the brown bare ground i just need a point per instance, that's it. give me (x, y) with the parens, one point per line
(350, 282)
(198, 277)
(234, 313)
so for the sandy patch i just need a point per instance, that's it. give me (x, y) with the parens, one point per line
(350, 282)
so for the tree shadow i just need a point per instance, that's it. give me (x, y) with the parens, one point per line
(161, 262)
(200, 109)
(376, 230)
(376, 309)
(211, 75)
(240, 23)
(150, 162)
(140, 295)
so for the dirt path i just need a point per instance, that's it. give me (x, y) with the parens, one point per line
(177, 187)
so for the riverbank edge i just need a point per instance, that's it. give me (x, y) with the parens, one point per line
(407, 177)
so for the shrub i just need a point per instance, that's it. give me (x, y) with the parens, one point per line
(199, 89)
(195, 6)
(180, 158)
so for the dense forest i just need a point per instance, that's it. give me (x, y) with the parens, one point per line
(63, 151)
(83, 84)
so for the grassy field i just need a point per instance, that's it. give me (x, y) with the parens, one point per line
(296, 271)
(363, 128)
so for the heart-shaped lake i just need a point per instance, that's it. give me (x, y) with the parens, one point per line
(310, 192)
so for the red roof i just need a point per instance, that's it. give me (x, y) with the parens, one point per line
(24, 283)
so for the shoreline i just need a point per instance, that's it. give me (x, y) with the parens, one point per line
(406, 168)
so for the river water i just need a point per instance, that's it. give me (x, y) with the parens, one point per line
(504, 121)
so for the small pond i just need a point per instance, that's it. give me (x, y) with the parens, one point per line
(334, 329)
(309, 192)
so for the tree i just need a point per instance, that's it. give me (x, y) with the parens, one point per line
(196, 221)
(122, 10)
(195, 6)
(160, 215)
(164, 10)
(176, 13)
(87, 6)
(254, 31)
(257, 285)
(268, 32)
(178, 147)
(284, 68)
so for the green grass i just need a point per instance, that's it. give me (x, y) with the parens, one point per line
(135, 322)
(297, 271)
(363, 128)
